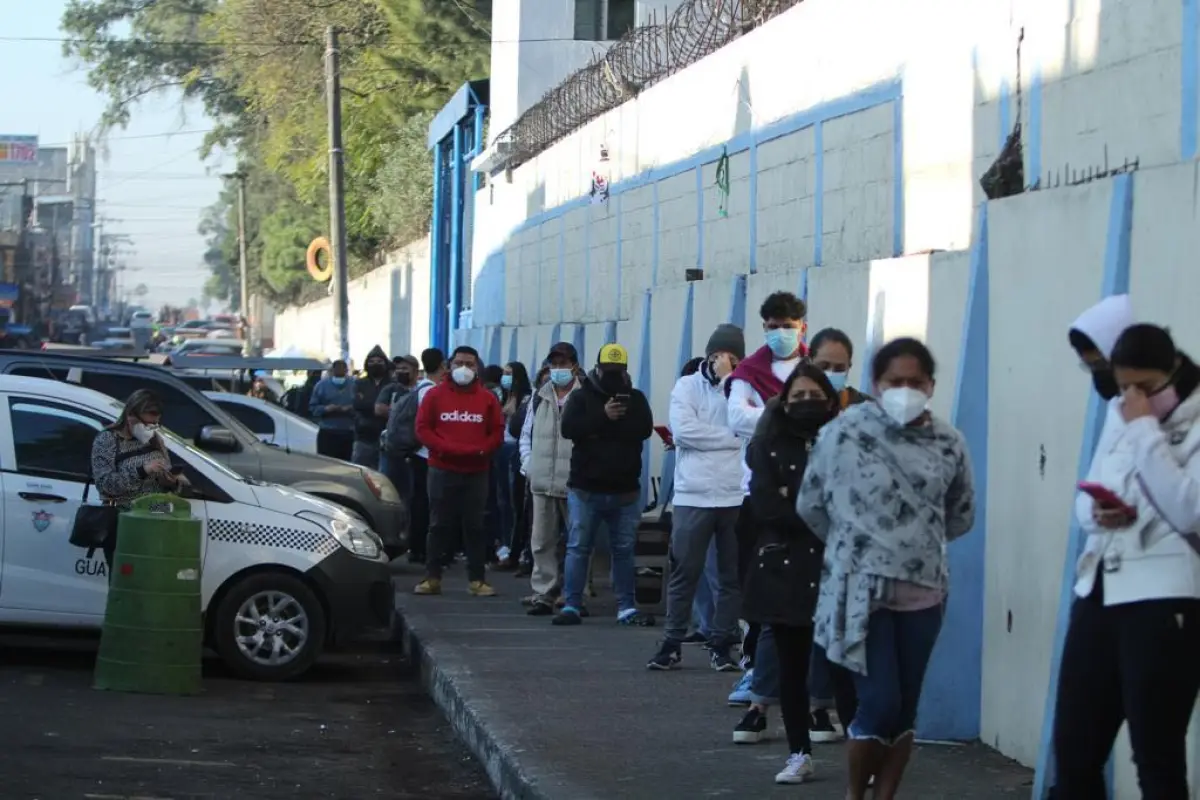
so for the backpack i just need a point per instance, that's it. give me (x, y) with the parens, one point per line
(399, 438)
(517, 423)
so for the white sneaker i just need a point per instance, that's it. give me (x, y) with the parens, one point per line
(799, 768)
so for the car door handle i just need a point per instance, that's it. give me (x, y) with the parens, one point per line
(38, 497)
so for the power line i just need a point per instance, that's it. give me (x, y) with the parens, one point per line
(133, 137)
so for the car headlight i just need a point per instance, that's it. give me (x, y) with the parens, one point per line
(355, 537)
(380, 486)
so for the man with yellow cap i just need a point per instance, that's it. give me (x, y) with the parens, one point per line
(607, 421)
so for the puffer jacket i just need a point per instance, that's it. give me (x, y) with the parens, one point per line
(708, 469)
(547, 464)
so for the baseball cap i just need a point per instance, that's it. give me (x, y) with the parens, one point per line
(564, 349)
(613, 354)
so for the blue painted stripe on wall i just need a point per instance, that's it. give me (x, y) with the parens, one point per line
(737, 302)
(700, 216)
(1005, 112)
(1189, 99)
(556, 334)
(1033, 139)
(587, 260)
(618, 246)
(1116, 281)
(562, 266)
(643, 384)
(495, 346)
(898, 176)
(513, 352)
(753, 210)
(580, 342)
(685, 335)
(818, 191)
(803, 289)
(951, 699)
(610, 336)
(655, 244)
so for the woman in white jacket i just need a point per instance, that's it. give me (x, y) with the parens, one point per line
(1132, 652)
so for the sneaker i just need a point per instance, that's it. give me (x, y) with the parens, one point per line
(741, 696)
(480, 589)
(798, 769)
(540, 608)
(428, 586)
(720, 660)
(567, 616)
(821, 728)
(752, 729)
(636, 619)
(695, 638)
(667, 657)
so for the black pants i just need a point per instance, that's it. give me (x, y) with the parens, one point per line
(522, 518)
(747, 536)
(794, 646)
(335, 443)
(418, 534)
(457, 505)
(1137, 663)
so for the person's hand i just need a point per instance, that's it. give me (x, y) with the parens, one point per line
(614, 410)
(157, 468)
(724, 364)
(1135, 404)
(1110, 518)
(783, 492)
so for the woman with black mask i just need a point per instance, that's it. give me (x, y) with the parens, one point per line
(1132, 653)
(783, 578)
(1092, 336)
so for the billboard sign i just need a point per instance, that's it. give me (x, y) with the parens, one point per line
(18, 149)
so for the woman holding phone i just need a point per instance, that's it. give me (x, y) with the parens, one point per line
(1132, 653)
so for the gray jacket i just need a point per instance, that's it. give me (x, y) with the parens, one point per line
(545, 454)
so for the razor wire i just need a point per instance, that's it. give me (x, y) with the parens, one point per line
(644, 56)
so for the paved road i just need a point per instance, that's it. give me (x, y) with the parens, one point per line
(358, 727)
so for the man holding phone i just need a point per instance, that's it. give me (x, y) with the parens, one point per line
(607, 421)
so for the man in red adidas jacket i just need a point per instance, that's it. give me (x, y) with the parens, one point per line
(461, 424)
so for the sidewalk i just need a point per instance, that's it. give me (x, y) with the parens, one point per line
(572, 713)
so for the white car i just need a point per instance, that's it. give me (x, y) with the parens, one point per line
(272, 423)
(283, 573)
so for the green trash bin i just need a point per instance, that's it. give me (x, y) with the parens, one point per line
(153, 635)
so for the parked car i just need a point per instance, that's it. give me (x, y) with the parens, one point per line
(77, 327)
(320, 572)
(209, 347)
(117, 339)
(141, 319)
(197, 420)
(272, 423)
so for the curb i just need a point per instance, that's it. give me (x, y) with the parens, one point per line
(503, 768)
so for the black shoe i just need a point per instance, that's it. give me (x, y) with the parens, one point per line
(568, 616)
(752, 729)
(721, 661)
(695, 638)
(540, 609)
(667, 657)
(822, 729)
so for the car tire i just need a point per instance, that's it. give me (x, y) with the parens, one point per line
(292, 596)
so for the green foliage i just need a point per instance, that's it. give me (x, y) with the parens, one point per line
(257, 68)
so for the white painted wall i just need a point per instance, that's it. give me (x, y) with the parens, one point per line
(389, 306)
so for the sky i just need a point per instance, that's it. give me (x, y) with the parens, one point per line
(153, 187)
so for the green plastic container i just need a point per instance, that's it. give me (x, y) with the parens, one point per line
(153, 635)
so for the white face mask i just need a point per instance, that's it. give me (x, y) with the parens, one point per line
(142, 432)
(463, 375)
(904, 404)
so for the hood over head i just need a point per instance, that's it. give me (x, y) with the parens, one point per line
(376, 352)
(1104, 322)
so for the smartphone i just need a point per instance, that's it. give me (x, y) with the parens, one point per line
(623, 399)
(1106, 497)
(664, 433)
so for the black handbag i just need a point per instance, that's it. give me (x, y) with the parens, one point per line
(95, 526)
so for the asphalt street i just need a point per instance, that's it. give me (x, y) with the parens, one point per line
(358, 726)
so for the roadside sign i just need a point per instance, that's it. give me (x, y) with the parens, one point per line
(18, 149)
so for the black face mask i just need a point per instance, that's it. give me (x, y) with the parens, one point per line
(1105, 383)
(806, 416)
(376, 370)
(404, 378)
(613, 382)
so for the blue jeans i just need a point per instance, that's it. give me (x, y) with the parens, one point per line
(587, 511)
(705, 603)
(899, 644)
(398, 471)
(764, 683)
(502, 467)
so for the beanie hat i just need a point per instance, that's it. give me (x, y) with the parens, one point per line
(727, 339)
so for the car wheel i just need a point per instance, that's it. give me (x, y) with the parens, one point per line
(269, 626)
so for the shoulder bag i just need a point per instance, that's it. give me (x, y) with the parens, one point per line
(94, 526)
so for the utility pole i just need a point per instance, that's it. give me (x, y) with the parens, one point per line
(243, 290)
(337, 199)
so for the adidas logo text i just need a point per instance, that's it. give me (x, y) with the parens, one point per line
(460, 416)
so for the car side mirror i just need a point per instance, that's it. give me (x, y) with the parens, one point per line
(217, 439)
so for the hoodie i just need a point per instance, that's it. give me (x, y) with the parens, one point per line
(1104, 322)
(461, 425)
(329, 392)
(606, 454)
(367, 425)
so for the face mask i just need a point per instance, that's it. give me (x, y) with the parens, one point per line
(904, 404)
(561, 377)
(338, 380)
(838, 379)
(463, 375)
(808, 415)
(403, 378)
(783, 341)
(613, 382)
(1164, 401)
(1105, 383)
(377, 370)
(142, 432)
(506, 383)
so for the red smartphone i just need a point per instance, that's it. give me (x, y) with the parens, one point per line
(664, 433)
(1106, 497)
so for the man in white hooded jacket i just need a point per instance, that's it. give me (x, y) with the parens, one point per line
(708, 497)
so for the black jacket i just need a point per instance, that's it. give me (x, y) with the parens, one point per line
(777, 457)
(606, 455)
(368, 426)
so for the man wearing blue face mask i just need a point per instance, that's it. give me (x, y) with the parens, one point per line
(546, 462)
(332, 406)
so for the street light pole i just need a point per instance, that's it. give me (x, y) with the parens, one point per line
(244, 284)
(337, 199)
